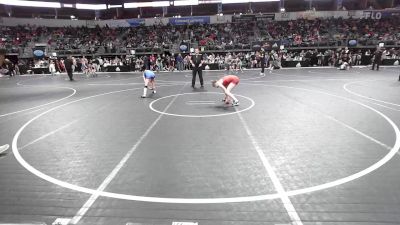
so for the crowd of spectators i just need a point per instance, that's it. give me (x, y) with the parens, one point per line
(331, 32)
(88, 39)
(14, 38)
(235, 45)
(229, 36)
(235, 61)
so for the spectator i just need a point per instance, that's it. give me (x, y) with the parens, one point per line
(179, 62)
(377, 59)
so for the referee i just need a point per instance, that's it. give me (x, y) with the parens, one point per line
(68, 67)
(377, 59)
(197, 64)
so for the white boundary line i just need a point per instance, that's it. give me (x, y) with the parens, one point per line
(387, 107)
(122, 79)
(49, 134)
(338, 72)
(114, 84)
(305, 80)
(200, 103)
(34, 78)
(4, 148)
(393, 150)
(83, 210)
(351, 128)
(20, 115)
(294, 216)
(387, 147)
(39, 106)
(127, 84)
(289, 75)
(345, 87)
(327, 185)
(199, 116)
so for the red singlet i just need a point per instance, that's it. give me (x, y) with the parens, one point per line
(226, 80)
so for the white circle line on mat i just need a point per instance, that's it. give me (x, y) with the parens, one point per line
(45, 104)
(221, 75)
(327, 185)
(345, 87)
(198, 116)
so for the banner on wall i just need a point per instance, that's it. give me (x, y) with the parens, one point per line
(253, 17)
(265, 16)
(136, 22)
(244, 18)
(190, 20)
(164, 10)
(339, 4)
(285, 15)
(377, 15)
(219, 7)
(310, 14)
(90, 23)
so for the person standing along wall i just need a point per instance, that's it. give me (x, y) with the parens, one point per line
(68, 67)
(377, 59)
(262, 59)
(179, 62)
(52, 68)
(197, 64)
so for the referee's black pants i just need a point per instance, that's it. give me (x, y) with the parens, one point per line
(69, 72)
(262, 67)
(197, 70)
(377, 65)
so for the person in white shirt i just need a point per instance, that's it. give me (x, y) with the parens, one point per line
(52, 68)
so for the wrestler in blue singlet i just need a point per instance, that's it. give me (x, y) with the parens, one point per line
(148, 74)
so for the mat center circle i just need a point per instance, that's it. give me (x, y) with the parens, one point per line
(200, 104)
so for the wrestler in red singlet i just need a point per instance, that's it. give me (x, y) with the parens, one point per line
(227, 83)
(226, 80)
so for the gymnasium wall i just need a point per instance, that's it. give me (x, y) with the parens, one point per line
(370, 14)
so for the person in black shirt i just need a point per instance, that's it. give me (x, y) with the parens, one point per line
(146, 62)
(197, 64)
(68, 67)
(345, 62)
(262, 58)
(377, 59)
